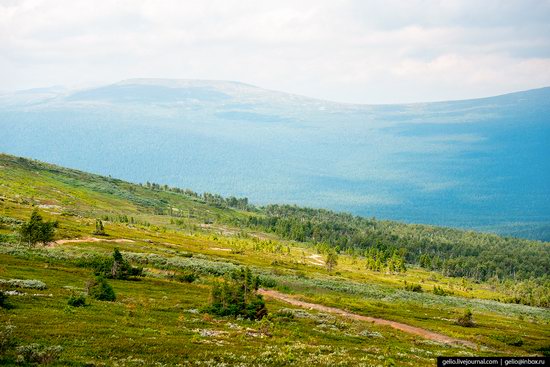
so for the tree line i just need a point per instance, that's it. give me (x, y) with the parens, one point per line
(453, 252)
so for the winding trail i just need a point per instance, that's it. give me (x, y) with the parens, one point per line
(396, 325)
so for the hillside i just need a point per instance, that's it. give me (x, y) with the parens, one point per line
(469, 164)
(353, 314)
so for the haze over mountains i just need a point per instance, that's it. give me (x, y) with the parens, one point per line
(480, 163)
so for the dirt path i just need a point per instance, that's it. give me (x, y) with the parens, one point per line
(90, 239)
(396, 325)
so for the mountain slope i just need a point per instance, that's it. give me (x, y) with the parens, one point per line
(478, 163)
(186, 243)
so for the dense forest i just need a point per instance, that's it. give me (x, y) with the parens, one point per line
(458, 253)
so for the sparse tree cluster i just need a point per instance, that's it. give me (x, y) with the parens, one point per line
(237, 296)
(99, 228)
(36, 230)
(116, 267)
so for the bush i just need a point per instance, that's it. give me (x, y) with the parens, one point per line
(3, 300)
(514, 341)
(267, 282)
(466, 320)
(6, 338)
(438, 291)
(113, 268)
(186, 277)
(24, 283)
(99, 229)
(237, 296)
(36, 353)
(413, 287)
(77, 301)
(99, 289)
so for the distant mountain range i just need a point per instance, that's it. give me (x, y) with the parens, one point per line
(482, 163)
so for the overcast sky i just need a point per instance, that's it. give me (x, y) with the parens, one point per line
(352, 51)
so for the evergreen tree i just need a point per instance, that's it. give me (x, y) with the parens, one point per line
(331, 260)
(99, 229)
(237, 296)
(36, 230)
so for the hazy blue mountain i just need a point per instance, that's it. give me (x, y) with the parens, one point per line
(482, 163)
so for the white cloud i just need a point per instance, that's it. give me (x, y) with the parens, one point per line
(356, 51)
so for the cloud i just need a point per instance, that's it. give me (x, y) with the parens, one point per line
(354, 51)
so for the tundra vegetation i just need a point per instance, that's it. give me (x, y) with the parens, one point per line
(197, 279)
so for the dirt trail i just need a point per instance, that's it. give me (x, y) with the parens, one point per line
(396, 325)
(90, 239)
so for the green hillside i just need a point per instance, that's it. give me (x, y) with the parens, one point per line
(187, 243)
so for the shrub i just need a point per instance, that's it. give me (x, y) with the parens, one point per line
(413, 287)
(24, 283)
(99, 229)
(113, 268)
(438, 291)
(331, 260)
(6, 338)
(186, 277)
(267, 282)
(3, 300)
(237, 296)
(466, 320)
(514, 341)
(99, 289)
(36, 353)
(284, 315)
(77, 301)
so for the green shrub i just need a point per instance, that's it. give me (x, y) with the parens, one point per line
(514, 341)
(24, 283)
(99, 289)
(36, 353)
(283, 315)
(6, 338)
(99, 228)
(413, 287)
(3, 300)
(77, 300)
(186, 277)
(438, 291)
(466, 320)
(115, 267)
(237, 296)
(267, 282)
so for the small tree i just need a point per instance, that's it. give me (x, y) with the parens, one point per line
(36, 230)
(331, 260)
(466, 319)
(99, 289)
(99, 229)
(3, 300)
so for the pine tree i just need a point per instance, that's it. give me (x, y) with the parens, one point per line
(331, 260)
(36, 230)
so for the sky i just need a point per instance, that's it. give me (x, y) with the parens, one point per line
(357, 51)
